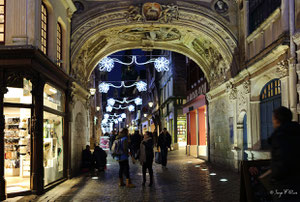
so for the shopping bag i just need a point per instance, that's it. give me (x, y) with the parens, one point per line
(158, 157)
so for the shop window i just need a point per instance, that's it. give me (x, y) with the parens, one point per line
(17, 141)
(54, 98)
(270, 99)
(2, 21)
(53, 133)
(259, 11)
(53, 147)
(44, 28)
(59, 45)
(19, 91)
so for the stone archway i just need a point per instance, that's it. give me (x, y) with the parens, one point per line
(195, 30)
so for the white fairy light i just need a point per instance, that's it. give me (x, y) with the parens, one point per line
(161, 64)
(104, 121)
(111, 101)
(109, 108)
(103, 87)
(138, 101)
(106, 64)
(116, 121)
(120, 119)
(123, 115)
(141, 86)
(106, 116)
(131, 108)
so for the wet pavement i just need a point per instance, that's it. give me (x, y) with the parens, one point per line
(186, 179)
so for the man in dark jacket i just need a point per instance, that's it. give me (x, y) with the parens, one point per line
(285, 162)
(112, 138)
(135, 141)
(163, 143)
(87, 158)
(99, 157)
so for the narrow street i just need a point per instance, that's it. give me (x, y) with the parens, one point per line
(183, 181)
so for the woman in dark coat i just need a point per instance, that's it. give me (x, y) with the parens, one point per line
(146, 156)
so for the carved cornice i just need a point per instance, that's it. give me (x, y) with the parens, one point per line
(79, 92)
(282, 69)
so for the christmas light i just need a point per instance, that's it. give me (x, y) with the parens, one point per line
(131, 108)
(123, 115)
(116, 121)
(109, 108)
(120, 119)
(140, 85)
(160, 64)
(106, 116)
(111, 101)
(138, 101)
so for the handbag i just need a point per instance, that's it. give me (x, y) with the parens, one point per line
(158, 157)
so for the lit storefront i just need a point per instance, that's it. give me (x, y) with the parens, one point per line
(196, 127)
(34, 138)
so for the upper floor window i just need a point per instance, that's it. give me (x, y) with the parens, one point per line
(59, 45)
(44, 28)
(259, 11)
(2, 20)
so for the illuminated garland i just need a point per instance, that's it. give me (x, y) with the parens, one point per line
(160, 64)
(140, 85)
(131, 108)
(112, 101)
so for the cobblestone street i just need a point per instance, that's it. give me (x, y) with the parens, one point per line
(183, 181)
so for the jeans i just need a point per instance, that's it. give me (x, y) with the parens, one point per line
(147, 165)
(124, 169)
(164, 155)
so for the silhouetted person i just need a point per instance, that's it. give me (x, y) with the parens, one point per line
(146, 157)
(163, 143)
(155, 137)
(123, 159)
(87, 158)
(99, 157)
(112, 138)
(135, 141)
(285, 151)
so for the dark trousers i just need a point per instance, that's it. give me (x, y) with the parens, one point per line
(164, 156)
(124, 169)
(147, 165)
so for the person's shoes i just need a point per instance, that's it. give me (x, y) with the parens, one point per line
(143, 184)
(129, 184)
(121, 183)
(151, 182)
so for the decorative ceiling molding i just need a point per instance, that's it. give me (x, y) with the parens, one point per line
(194, 33)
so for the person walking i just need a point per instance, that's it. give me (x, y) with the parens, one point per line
(99, 158)
(123, 159)
(163, 143)
(146, 157)
(285, 152)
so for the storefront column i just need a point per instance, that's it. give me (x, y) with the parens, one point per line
(67, 135)
(37, 177)
(3, 90)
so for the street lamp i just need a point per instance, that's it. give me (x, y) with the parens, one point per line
(150, 104)
(145, 115)
(98, 108)
(92, 91)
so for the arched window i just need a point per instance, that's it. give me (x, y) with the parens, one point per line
(44, 28)
(2, 21)
(270, 99)
(59, 45)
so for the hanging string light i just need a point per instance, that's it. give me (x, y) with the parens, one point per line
(160, 64)
(110, 108)
(140, 85)
(112, 101)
